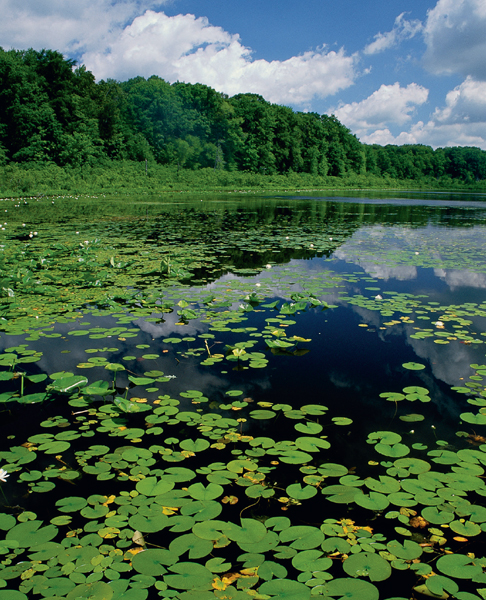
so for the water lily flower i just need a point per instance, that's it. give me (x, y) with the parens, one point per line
(268, 266)
(439, 324)
(378, 297)
(3, 475)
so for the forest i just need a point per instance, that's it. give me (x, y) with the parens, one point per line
(55, 117)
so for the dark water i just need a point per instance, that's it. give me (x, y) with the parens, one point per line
(421, 255)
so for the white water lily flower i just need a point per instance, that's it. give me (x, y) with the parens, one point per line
(439, 324)
(268, 266)
(3, 475)
(378, 297)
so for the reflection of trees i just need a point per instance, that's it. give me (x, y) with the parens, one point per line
(212, 239)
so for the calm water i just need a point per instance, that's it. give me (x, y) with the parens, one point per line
(358, 288)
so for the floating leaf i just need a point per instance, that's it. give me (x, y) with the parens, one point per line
(459, 566)
(351, 589)
(285, 589)
(151, 486)
(367, 564)
(413, 366)
(153, 561)
(189, 575)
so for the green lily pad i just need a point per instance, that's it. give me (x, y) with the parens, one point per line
(189, 576)
(351, 589)
(311, 560)
(367, 564)
(413, 366)
(153, 561)
(374, 501)
(152, 486)
(196, 546)
(285, 589)
(458, 566)
(98, 590)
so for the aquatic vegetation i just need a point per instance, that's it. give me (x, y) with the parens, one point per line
(213, 403)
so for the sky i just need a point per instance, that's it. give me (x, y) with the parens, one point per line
(394, 72)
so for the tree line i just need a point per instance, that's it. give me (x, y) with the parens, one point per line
(54, 112)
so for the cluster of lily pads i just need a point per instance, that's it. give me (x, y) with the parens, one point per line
(154, 497)
(116, 488)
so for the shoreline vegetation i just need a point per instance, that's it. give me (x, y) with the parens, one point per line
(130, 177)
(61, 132)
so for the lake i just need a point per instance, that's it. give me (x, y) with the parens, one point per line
(243, 396)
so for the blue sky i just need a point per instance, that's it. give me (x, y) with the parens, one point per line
(393, 72)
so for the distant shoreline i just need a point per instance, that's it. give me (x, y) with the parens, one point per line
(130, 177)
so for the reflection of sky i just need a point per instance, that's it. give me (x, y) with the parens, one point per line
(347, 367)
(396, 252)
(457, 279)
(448, 363)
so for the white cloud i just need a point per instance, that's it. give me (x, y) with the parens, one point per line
(389, 104)
(402, 30)
(64, 26)
(457, 279)
(465, 104)
(115, 40)
(455, 36)
(461, 122)
(190, 49)
(454, 33)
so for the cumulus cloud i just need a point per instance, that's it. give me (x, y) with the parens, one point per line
(68, 27)
(455, 36)
(117, 40)
(465, 104)
(187, 48)
(460, 122)
(457, 279)
(402, 30)
(389, 104)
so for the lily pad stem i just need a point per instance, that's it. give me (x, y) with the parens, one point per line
(249, 506)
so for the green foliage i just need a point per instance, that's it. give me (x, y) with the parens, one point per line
(55, 115)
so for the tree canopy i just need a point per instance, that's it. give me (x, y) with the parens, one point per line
(52, 111)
